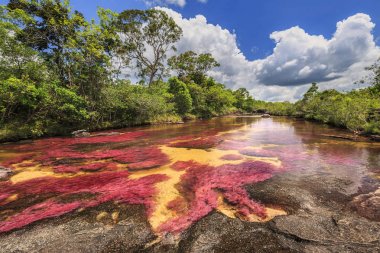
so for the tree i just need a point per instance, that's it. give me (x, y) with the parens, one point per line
(241, 95)
(191, 66)
(48, 27)
(375, 74)
(219, 99)
(78, 51)
(147, 37)
(16, 59)
(310, 92)
(181, 95)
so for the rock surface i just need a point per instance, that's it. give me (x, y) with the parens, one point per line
(4, 172)
(368, 205)
(81, 133)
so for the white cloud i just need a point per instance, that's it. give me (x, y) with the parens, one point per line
(202, 37)
(150, 3)
(180, 3)
(298, 58)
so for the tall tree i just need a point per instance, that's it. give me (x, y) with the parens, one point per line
(181, 96)
(78, 51)
(190, 65)
(375, 74)
(241, 95)
(50, 27)
(147, 37)
(16, 59)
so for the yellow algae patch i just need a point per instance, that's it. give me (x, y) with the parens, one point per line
(271, 213)
(209, 157)
(212, 157)
(232, 212)
(101, 216)
(12, 198)
(115, 216)
(226, 209)
(32, 172)
(27, 173)
(167, 192)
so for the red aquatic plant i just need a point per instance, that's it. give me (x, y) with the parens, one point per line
(202, 184)
(103, 187)
(91, 167)
(199, 143)
(108, 161)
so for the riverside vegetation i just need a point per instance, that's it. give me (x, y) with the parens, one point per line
(60, 72)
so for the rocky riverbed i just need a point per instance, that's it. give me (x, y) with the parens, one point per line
(319, 220)
(295, 191)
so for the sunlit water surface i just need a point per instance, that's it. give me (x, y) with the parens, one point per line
(180, 173)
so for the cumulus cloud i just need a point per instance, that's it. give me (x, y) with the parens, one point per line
(301, 58)
(202, 37)
(298, 58)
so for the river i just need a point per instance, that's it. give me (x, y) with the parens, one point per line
(233, 184)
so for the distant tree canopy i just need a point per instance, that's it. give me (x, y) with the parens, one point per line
(191, 66)
(146, 38)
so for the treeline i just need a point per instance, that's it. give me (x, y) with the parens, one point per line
(60, 72)
(357, 110)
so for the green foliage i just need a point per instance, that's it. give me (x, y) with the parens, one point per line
(150, 30)
(192, 67)
(181, 96)
(42, 107)
(125, 104)
(76, 50)
(219, 100)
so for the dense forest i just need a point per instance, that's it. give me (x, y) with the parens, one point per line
(60, 72)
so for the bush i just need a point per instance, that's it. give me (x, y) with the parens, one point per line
(181, 96)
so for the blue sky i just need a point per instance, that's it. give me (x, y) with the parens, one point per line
(274, 48)
(254, 20)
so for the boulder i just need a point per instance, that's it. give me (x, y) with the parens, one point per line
(81, 133)
(266, 115)
(4, 172)
(368, 205)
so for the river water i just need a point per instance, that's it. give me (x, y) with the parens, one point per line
(182, 173)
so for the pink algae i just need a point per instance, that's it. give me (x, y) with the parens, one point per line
(202, 184)
(104, 187)
(198, 143)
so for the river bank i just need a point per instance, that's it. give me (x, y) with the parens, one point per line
(349, 135)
